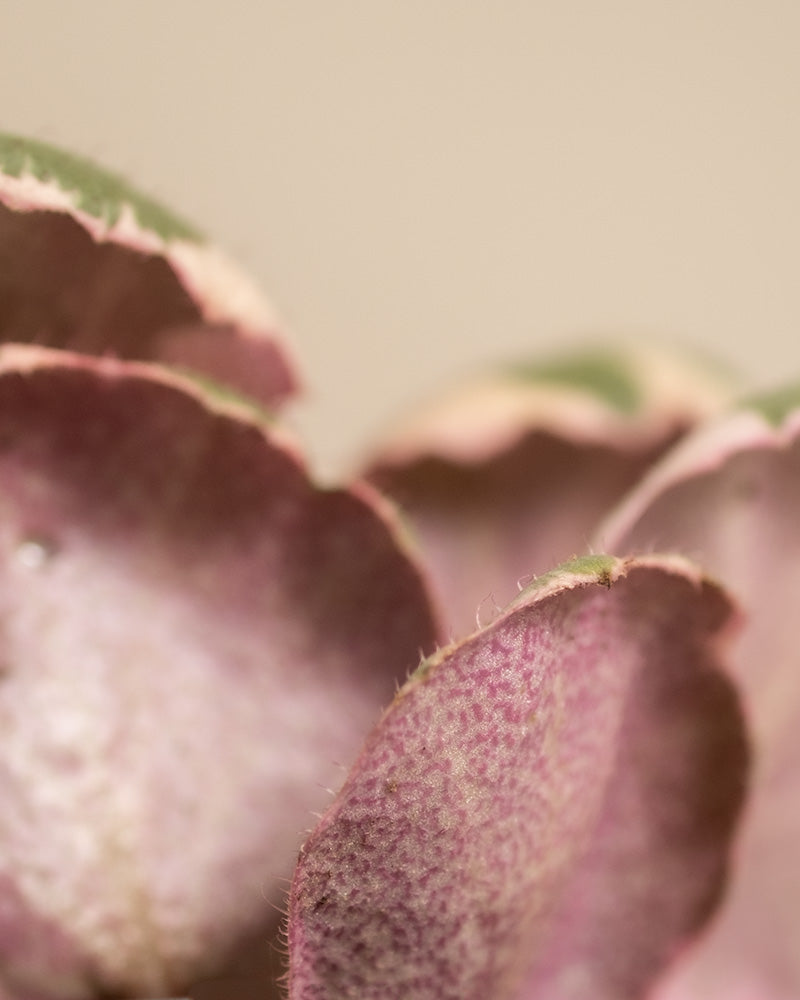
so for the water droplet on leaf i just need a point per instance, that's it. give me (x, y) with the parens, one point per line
(35, 552)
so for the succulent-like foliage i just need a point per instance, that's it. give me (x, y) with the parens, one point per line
(89, 264)
(193, 636)
(730, 496)
(198, 646)
(510, 474)
(534, 795)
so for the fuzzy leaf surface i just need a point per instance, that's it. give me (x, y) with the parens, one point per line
(194, 639)
(545, 809)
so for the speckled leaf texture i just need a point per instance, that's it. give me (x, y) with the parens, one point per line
(89, 264)
(730, 496)
(194, 640)
(511, 474)
(544, 811)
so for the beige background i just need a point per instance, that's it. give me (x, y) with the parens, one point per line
(425, 186)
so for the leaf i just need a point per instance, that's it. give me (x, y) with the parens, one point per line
(194, 639)
(512, 474)
(545, 809)
(729, 496)
(89, 264)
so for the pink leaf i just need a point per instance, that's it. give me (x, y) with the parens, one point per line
(545, 809)
(194, 640)
(88, 264)
(729, 497)
(512, 474)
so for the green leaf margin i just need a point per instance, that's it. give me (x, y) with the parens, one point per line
(98, 192)
(601, 373)
(775, 405)
(594, 568)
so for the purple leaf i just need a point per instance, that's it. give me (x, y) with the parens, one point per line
(545, 809)
(729, 497)
(88, 264)
(512, 474)
(194, 642)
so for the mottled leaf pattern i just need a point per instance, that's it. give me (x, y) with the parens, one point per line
(533, 797)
